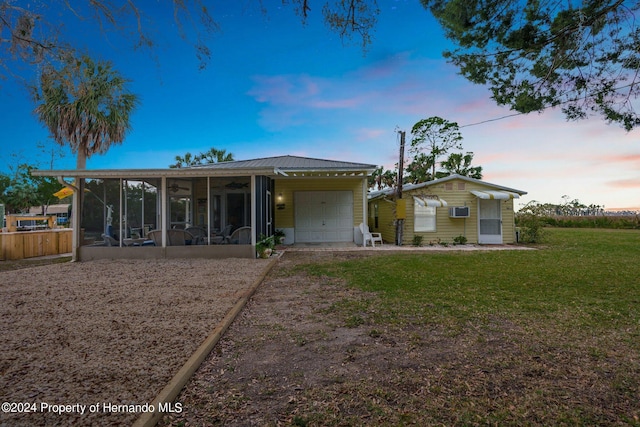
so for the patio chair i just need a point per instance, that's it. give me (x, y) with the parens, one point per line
(224, 235)
(199, 235)
(242, 236)
(156, 236)
(179, 237)
(368, 236)
(110, 241)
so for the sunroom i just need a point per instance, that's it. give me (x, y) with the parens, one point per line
(170, 213)
(217, 210)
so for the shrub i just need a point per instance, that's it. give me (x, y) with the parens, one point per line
(460, 240)
(417, 240)
(531, 223)
(278, 237)
(265, 245)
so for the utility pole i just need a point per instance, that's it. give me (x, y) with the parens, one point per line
(400, 203)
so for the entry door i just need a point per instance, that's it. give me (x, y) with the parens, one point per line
(489, 221)
(323, 216)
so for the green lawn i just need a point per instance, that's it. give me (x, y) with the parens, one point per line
(585, 277)
(543, 337)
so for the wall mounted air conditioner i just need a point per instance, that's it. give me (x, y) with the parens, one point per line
(459, 212)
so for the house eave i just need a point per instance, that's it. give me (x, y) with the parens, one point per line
(201, 172)
(326, 173)
(154, 173)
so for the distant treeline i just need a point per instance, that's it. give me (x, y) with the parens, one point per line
(608, 221)
(575, 214)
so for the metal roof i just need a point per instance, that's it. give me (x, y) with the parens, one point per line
(269, 166)
(152, 173)
(290, 163)
(409, 187)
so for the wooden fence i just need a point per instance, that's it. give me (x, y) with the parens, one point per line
(12, 220)
(29, 244)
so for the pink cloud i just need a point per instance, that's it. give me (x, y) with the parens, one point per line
(625, 183)
(622, 158)
(303, 91)
(336, 103)
(284, 89)
(385, 68)
(498, 177)
(367, 134)
(388, 86)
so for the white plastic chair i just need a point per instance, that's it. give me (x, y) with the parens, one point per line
(368, 236)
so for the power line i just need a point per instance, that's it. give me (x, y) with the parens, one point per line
(492, 120)
(547, 107)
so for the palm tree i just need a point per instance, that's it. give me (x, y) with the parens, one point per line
(186, 161)
(460, 164)
(212, 156)
(215, 156)
(420, 169)
(85, 105)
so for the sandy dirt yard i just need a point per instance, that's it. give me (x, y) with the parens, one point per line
(106, 333)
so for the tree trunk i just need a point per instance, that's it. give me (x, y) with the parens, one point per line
(78, 200)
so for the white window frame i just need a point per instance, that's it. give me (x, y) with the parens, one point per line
(424, 218)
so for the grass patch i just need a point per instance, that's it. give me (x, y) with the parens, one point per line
(585, 277)
(545, 337)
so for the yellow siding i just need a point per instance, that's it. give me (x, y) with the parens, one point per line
(284, 189)
(455, 193)
(386, 215)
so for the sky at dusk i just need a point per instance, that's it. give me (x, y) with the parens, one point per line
(275, 87)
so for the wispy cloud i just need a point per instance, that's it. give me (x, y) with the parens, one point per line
(368, 134)
(622, 158)
(625, 183)
(386, 87)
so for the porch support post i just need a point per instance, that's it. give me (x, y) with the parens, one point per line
(254, 207)
(75, 218)
(120, 211)
(208, 210)
(76, 223)
(365, 200)
(163, 209)
(142, 233)
(105, 209)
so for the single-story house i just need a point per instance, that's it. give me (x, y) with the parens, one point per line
(310, 200)
(444, 209)
(61, 211)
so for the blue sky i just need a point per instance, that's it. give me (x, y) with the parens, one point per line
(274, 86)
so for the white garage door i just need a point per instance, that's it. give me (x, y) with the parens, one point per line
(323, 216)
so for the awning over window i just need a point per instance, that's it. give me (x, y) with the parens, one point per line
(436, 203)
(496, 195)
